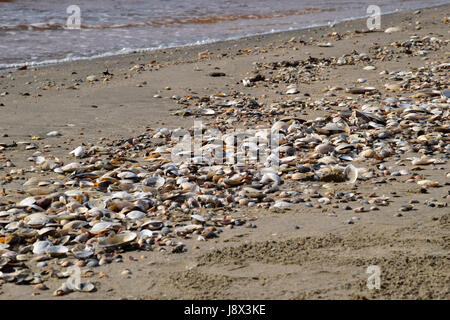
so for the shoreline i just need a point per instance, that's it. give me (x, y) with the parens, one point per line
(204, 44)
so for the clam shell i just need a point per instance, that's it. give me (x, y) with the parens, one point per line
(27, 202)
(40, 247)
(82, 251)
(155, 181)
(136, 215)
(56, 251)
(36, 219)
(423, 161)
(78, 152)
(117, 240)
(103, 226)
(153, 224)
(351, 174)
(198, 218)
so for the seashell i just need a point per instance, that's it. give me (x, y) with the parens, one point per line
(153, 224)
(27, 202)
(393, 87)
(182, 231)
(234, 180)
(367, 153)
(36, 219)
(446, 93)
(117, 240)
(392, 29)
(292, 91)
(53, 134)
(249, 192)
(324, 44)
(279, 125)
(324, 148)
(71, 167)
(92, 78)
(102, 227)
(127, 175)
(271, 177)
(423, 161)
(209, 199)
(428, 183)
(369, 68)
(361, 90)
(156, 181)
(208, 112)
(198, 218)
(73, 225)
(283, 205)
(82, 251)
(136, 215)
(56, 251)
(78, 152)
(40, 247)
(328, 160)
(351, 174)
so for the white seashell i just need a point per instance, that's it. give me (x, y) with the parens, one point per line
(27, 202)
(82, 251)
(37, 219)
(40, 247)
(136, 215)
(127, 175)
(53, 134)
(56, 251)
(208, 112)
(156, 181)
(423, 161)
(292, 91)
(369, 68)
(91, 78)
(282, 205)
(117, 240)
(351, 173)
(270, 177)
(73, 166)
(198, 218)
(78, 152)
(103, 226)
(392, 29)
(324, 44)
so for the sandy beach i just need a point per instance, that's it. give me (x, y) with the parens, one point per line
(311, 250)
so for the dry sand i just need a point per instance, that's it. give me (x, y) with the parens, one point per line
(324, 258)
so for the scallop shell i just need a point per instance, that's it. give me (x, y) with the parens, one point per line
(117, 240)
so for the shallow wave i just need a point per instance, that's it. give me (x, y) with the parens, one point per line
(177, 21)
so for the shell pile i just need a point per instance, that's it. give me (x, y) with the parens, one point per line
(130, 195)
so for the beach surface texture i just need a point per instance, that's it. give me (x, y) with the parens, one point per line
(361, 189)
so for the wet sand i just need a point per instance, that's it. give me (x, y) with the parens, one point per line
(325, 257)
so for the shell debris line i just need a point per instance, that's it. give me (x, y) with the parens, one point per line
(130, 195)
